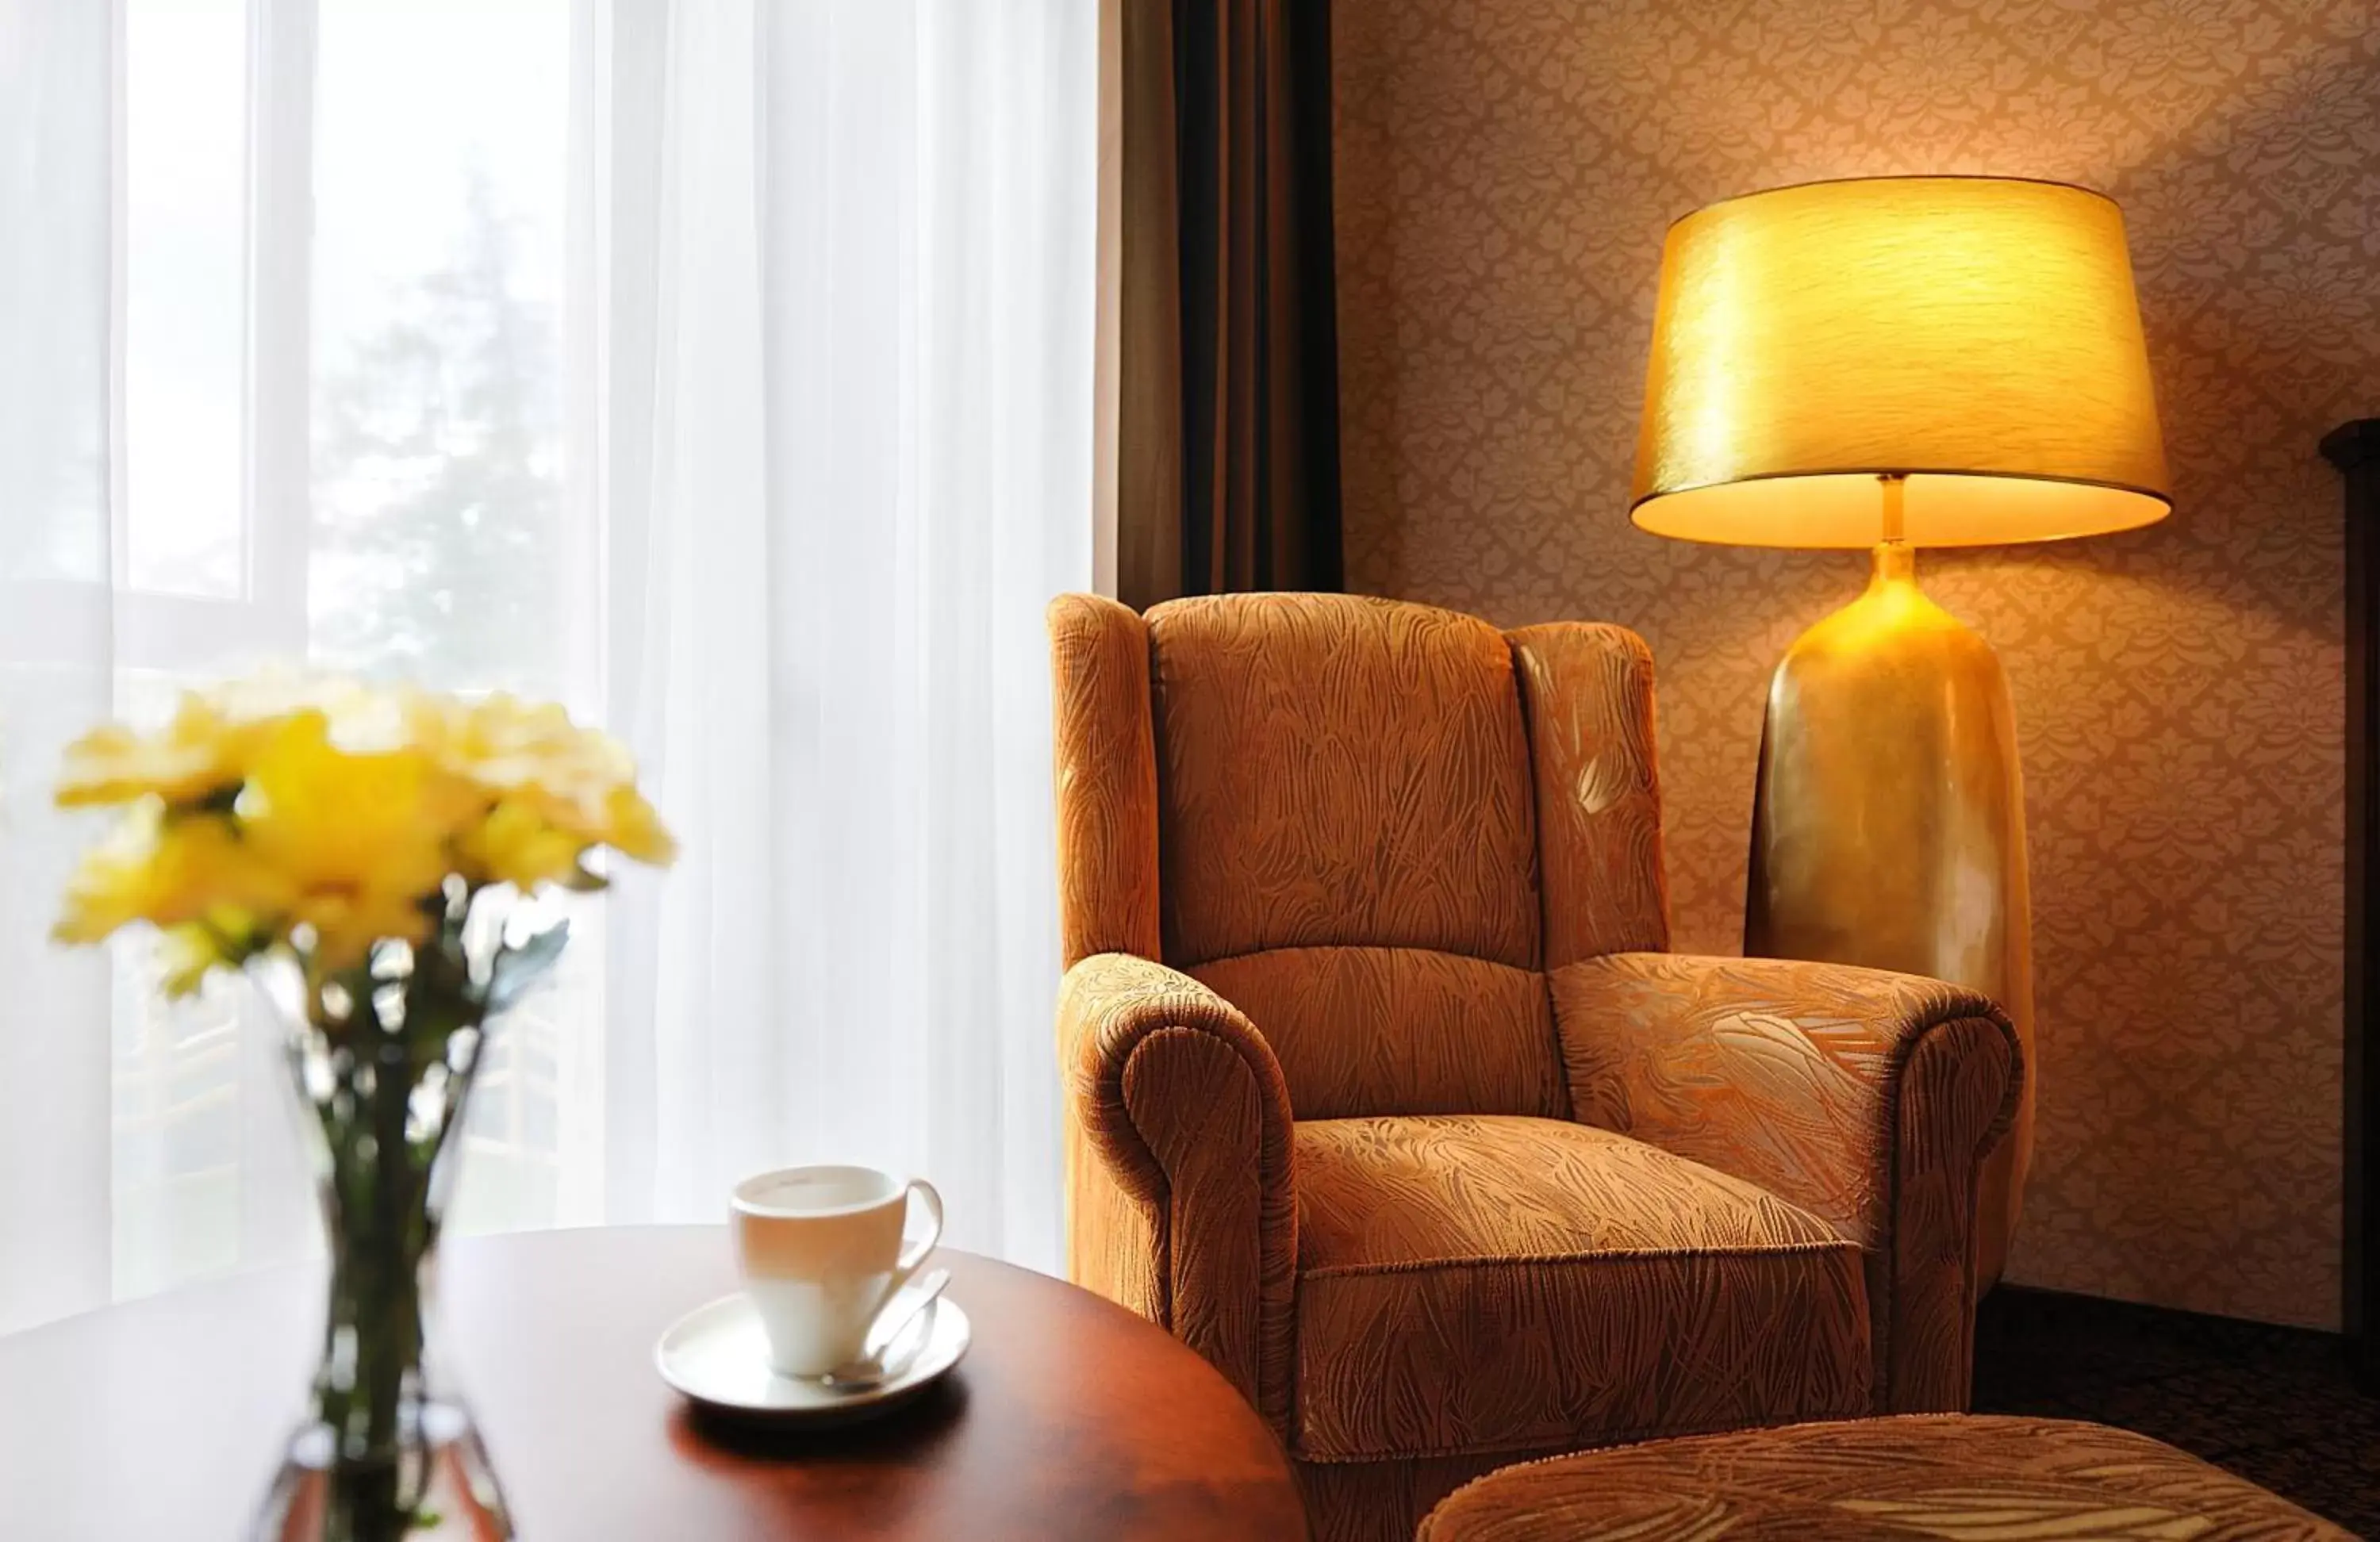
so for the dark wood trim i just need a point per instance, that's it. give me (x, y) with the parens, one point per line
(2354, 448)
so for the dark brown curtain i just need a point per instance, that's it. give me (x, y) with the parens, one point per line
(1228, 380)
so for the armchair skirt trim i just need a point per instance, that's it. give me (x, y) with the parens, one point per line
(1648, 1254)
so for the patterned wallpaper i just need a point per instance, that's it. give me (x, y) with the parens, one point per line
(1505, 170)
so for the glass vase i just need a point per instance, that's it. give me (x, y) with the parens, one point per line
(383, 1058)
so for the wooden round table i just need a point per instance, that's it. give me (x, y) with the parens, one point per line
(1070, 1417)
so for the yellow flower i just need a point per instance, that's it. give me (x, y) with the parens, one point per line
(165, 869)
(499, 742)
(632, 827)
(580, 781)
(287, 806)
(515, 844)
(361, 717)
(199, 753)
(360, 838)
(205, 749)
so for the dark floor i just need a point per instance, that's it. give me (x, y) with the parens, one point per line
(2274, 1405)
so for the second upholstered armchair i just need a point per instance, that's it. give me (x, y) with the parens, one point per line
(1384, 1094)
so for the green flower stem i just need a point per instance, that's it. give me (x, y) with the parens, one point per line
(384, 1057)
(383, 1227)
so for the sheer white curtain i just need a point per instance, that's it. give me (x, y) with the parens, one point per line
(57, 445)
(852, 250)
(722, 367)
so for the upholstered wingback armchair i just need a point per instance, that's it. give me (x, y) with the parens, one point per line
(1384, 1094)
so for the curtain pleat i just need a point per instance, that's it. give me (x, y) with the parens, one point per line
(868, 399)
(60, 313)
(1228, 439)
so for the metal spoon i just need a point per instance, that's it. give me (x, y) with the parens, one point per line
(875, 1366)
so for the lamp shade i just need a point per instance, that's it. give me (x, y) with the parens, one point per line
(1977, 335)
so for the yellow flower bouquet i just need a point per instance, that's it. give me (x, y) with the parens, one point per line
(329, 819)
(361, 851)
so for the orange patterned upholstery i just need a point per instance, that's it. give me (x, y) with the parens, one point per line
(1868, 1099)
(1469, 1285)
(1340, 770)
(1878, 1480)
(1382, 1093)
(1106, 772)
(1358, 1030)
(1588, 695)
(1180, 1196)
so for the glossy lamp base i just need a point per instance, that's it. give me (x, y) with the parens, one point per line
(1888, 824)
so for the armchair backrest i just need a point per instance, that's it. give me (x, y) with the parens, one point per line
(1368, 824)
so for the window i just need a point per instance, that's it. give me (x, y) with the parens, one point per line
(416, 531)
(725, 372)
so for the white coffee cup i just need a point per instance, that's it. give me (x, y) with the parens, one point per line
(821, 1248)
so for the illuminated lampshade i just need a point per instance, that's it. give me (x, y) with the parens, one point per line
(1977, 335)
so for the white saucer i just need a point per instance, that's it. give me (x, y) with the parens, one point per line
(718, 1355)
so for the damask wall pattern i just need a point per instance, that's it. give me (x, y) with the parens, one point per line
(1505, 169)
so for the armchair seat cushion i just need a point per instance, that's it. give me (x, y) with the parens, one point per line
(1473, 1284)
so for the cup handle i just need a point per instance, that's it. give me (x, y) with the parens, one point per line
(917, 1254)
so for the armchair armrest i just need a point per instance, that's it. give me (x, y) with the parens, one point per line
(1180, 1197)
(1867, 1098)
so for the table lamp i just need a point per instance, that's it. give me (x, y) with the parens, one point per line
(1890, 363)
